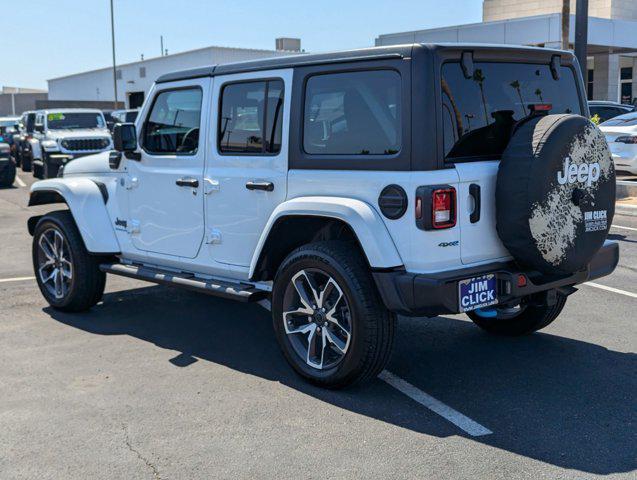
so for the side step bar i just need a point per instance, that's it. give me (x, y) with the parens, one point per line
(233, 291)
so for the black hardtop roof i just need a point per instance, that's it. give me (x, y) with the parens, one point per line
(365, 54)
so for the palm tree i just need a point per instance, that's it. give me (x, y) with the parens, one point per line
(479, 78)
(566, 19)
(516, 84)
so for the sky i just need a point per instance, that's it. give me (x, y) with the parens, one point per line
(44, 39)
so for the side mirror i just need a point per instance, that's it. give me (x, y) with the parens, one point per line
(125, 137)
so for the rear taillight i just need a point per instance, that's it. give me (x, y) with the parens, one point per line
(627, 139)
(443, 213)
(435, 207)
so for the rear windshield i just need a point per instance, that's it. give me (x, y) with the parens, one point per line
(629, 120)
(479, 112)
(56, 121)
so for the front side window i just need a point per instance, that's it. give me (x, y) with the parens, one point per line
(173, 124)
(353, 113)
(66, 120)
(251, 117)
(479, 112)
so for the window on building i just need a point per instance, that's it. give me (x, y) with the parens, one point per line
(590, 81)
(354, 113)
(479, 112)
(142, 72)
(626, 73)
(251, 118)
(118, 74)
(173, 124)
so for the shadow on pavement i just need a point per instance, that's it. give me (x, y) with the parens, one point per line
(561, 401)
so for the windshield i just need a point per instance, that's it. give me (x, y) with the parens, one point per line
(56, 121)
(628, 120)
(479, 112)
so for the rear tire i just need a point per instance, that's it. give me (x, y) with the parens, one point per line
(26, 161)
(528, 320)
(340, 311)
(68, 276)
(7, 176)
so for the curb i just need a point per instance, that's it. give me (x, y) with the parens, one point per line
(625, 189)
(629, 210)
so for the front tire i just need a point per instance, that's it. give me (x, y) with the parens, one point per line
(69, 278)
(26, 161)
(7, 176)
(328, 317)
(520, 320)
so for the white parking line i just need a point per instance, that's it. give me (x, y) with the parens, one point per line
(625, 228)
(15, 279)
(19, 181)
(458, 419)
(611, 289)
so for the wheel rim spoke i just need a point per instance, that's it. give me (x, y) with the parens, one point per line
(55, 270)
(301, 283)
(317, 319)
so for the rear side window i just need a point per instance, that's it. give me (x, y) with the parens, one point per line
(251, 118)
(479, 112)
(173, 124)
(353, 113)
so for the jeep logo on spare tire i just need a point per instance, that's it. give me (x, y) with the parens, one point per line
(555, 193)
(583, 173)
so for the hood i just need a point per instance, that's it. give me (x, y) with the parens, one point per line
(91, 164)
(78, 133)
(614, 131)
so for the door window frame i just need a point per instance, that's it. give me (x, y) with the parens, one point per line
(219, 105)
(142, 133)
(299, 159)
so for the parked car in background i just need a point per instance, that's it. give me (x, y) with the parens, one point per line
(7, 166)
(24, 155)
(66, 134)
(8, 128)
(124, 116)
(621, 135)
(607, 110)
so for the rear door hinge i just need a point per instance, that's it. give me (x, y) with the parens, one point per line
(129, 182)
(213, 237)
(210, 185)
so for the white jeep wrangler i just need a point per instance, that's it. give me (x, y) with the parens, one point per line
(347, 188)
(65, 134)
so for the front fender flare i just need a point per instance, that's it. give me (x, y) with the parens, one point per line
(367, 224)
(86, 202)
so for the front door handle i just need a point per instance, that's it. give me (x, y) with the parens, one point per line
(188, 182)
(267, 186)
(474, 191)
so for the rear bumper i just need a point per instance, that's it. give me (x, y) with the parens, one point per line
(437, 293)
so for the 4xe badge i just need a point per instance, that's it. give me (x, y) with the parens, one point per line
(584, 173)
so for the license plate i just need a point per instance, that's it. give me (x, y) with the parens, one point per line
(477, 292)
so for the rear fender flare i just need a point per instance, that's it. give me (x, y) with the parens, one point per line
(364, 220)
(87, 205)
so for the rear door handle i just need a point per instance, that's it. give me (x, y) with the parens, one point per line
(188, 182)
(474, 191)
(267, 186)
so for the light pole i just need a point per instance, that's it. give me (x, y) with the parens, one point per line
(581, 34)
(114, 64)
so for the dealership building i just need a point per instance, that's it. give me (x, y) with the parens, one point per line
(95, 88)
(612, 38)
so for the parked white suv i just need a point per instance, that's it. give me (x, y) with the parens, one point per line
(66, 134)
(347, 188)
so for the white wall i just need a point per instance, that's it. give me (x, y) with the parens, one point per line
(97, 85)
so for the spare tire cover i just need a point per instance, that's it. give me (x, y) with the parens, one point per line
(555, 193)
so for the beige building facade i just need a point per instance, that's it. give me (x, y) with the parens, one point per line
(493, 10)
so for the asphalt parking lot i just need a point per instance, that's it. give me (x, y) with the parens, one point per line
(157, 383)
